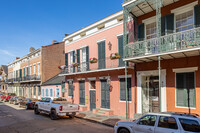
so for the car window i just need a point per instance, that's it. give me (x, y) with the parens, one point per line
(167, 122)
(190, 125)
(48, 99)
(148, 120)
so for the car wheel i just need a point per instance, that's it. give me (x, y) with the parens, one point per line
(71, 116)
(27, 107)
(36, 111)
(123, 130)
(53, 115)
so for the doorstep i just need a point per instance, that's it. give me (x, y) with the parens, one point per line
(101, 119)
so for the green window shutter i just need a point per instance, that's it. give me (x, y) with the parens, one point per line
(73, 60)
(78, 56)
(66, 59)
(140, 32)
(87, 57)
(163, 26)
(20, 73)
(99, 55)
(120, 50)
(103, 55)
(169, 23)
(123, 89)
(197, 16)
(27, 71)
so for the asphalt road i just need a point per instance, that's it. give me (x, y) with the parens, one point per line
(18, 120)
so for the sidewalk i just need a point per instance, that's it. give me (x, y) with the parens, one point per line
(105, 120)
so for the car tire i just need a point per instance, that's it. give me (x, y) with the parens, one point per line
(36, 111)
(123, 130)
(53, 115)
(71, 116)
(27, 107)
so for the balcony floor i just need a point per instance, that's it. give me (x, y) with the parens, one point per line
(167, 55)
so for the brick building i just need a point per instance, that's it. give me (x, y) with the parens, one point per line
(25, 74)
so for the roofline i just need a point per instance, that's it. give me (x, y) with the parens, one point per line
(94, 24)
(50, 84)
(35, 51)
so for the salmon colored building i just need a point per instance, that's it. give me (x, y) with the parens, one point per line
(166, 53)
(94, 73)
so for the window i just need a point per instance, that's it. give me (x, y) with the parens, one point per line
(34, 90)
(47, 92)
(167, 122)
(184, 21)
(39, 91)
(123, 89)
(70, 86)
(43, 92)
(148, 120)
(151, 30)
(33, 69)
(185, 89)
(38, 68)
(51, 92)
(190, 125)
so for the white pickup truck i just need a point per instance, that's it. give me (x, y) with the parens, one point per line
(56, 107)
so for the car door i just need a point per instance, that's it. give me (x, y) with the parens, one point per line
(41, 104)
(167, 124)
(46, 104)
(145, 124)
(189, 125)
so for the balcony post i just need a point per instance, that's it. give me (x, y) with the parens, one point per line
(125, 20)
(126, 89)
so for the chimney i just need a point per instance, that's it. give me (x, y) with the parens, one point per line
(54, 41)
(17, 58)
(31, 49)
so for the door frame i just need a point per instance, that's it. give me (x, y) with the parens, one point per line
(93, 90)
(140, 74)
(103, 78)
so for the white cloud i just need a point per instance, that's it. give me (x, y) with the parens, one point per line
(6, 52)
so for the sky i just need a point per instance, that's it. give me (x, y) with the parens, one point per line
(35, 23)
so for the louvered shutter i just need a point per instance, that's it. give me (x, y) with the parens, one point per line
(180, 89)
(73, 60)
(122, 90)
(169, 23)
(78, 59)
(120, 50)
(87, 57)
(99, 55)
(129, 88)
(140, 32)
(163, 26)
(103, 55)
(197, 16)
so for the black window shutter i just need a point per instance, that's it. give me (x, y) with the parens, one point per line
(73, 60)
(163, 26)
(66, 59)
(103, 55)
(122, 90)
(169, 23)
(78, 59)
(140, 32)
(87, 57)
(197, 16)
(120, 50)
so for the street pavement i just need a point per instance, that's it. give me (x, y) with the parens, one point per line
(18, 120)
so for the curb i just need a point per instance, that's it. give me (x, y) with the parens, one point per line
(93, 121)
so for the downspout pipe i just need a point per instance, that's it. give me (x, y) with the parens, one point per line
(135, 70)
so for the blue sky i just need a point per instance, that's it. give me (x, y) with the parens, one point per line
(35, 23)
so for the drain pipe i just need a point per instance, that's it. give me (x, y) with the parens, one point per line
(135, 70)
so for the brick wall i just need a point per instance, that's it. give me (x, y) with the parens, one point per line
(52, 57)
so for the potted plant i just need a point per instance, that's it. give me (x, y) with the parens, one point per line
(93, 60)
(75, 64)
(114, 56)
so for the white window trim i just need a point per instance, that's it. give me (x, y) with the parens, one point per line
(120, 34)
(185, 8)
(149, 20)
(79, 79)
(123, 76)
(176, 106)
(70, 51)
(70, 80)
(188, 69)
(92, 78)
(105, 77)
(98, 41)
(84, 46)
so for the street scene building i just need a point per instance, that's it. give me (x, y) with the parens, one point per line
(4, 77)
(165, 51)
(26, 74)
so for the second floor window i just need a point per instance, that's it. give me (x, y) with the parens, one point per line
(34, 69)
(38, 69)
(184, 21)
(151, 30)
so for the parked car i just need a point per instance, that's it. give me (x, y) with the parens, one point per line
(7, 96)
(1, 94)
(160, 123)
(16, 100)
(56, 107)
(28, 103)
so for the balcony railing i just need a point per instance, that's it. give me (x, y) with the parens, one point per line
(26, 78)
(168, 43)
(101, 64)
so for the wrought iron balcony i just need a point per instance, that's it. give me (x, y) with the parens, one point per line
(31, 78)
(100, 65)
(169, 43)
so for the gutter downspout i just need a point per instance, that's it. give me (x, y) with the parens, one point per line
(135, 70)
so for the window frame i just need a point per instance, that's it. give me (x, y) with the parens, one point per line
(167, 127)
(177, 106)
(127, 92)
(47, 92)
(155, 124)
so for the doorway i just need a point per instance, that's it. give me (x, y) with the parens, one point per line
(92, 95)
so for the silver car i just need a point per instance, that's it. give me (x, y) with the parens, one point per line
(160, 123)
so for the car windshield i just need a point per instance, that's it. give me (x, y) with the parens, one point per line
(59, 99)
